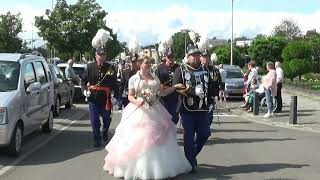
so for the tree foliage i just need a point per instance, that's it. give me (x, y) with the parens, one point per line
(70, 28)
(10, 27)
(224, 55)
(179, 42)
(297, 50)
(288, 29)
(264, 49)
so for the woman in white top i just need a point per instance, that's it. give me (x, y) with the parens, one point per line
(144, 145)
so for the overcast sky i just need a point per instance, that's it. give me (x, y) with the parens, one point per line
(150, 21)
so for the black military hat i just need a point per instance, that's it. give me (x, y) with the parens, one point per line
(193, 49)
(205, 52)
(169, 52)
(100, 51)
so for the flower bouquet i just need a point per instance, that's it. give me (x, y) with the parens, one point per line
(148, 96)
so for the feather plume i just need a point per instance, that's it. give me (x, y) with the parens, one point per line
(134, 46)
(192, 36)
(101, 38)
(203, 43)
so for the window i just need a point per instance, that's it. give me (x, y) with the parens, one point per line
(58, 72)
(41, 75)
(9, 75)
(29, 76)
(234, 74)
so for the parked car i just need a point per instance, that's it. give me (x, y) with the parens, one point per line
(79, 70)
(234, 82)
(62, 89)
(27, 98)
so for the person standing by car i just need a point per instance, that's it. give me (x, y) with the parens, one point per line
(98, 82)
(270, 88)
(280, 77)
(223, 75)
(72, 77)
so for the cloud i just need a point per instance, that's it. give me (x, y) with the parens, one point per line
(153, 26)
(160, 24)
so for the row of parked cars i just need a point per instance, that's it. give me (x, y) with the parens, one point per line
(31, 94)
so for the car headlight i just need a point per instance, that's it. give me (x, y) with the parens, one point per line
(3, 115)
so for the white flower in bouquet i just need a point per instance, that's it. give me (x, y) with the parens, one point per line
(148, 96)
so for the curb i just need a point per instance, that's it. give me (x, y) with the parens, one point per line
(259, 119)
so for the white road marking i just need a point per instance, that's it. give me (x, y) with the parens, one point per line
(5, 169)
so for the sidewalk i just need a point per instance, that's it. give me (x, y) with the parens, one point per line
(308, 112)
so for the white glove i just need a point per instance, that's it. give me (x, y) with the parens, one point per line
(86, 93)
(114, 101)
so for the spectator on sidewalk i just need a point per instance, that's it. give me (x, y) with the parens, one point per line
(223, 75)
(252, 76)
(72, 77)
(280, 77)
(270, 88)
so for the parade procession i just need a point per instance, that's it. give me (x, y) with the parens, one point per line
(159, 90)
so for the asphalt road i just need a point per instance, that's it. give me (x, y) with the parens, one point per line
(237, 149)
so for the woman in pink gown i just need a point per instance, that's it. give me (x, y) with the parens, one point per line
(144, 145)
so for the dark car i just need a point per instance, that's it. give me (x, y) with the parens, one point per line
(62, 89)
(234, 82)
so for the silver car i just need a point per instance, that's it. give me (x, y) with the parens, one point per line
(27, 98)
(234, 83)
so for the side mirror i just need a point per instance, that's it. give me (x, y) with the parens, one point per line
(33, 87)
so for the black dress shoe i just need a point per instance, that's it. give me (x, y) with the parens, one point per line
(193, 171)
(105, 136)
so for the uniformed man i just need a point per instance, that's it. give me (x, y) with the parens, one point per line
(196, 100)
(165, 72)
(126, 75)
(98, 82)
(215, 75)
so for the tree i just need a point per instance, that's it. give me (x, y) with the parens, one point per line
(70, 28)
(315, 45)
(297, 50)
(224, 55)
(288, 29)
(10, 27)
(264, 49)
(297, 57)
(179, 40)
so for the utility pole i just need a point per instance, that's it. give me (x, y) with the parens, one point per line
(231, 56)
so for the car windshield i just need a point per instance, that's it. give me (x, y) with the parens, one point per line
(9, 75)
(234, 74)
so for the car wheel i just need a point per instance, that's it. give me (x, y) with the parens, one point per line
(57, 107)
(14, 147)
(48, 126)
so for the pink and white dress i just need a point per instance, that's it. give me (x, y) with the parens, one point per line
(144, 145)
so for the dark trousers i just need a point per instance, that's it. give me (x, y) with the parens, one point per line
(95, 112)
(279, 97)
(195, 124)
(125, 101)
(171, 107)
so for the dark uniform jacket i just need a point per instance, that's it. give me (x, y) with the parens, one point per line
(165, 76)
(105, 76)
(179, 77)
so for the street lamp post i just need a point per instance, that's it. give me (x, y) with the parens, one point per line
(231, 55)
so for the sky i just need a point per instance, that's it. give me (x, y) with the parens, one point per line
(150, 21)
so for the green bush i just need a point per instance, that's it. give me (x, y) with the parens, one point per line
(297, 50)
